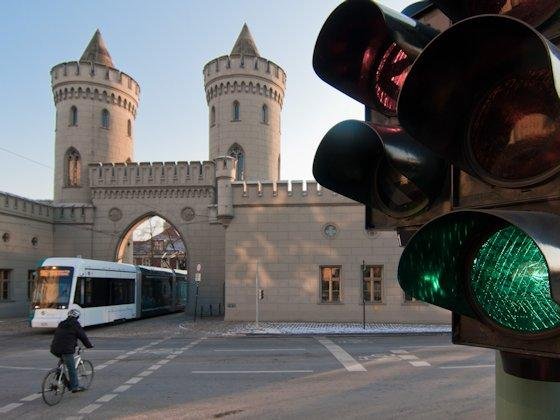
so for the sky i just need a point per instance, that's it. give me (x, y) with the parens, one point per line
(164, 46)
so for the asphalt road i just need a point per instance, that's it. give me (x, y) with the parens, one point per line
(172, 373)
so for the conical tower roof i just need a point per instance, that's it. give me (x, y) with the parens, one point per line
(96, 51)
(245, 43)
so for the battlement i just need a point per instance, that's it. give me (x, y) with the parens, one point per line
(24, 207)
(94, 81)
(249, 74)
(151, 174)
(225, 167)
(285, 193)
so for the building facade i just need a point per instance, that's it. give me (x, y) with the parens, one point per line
(304, 246)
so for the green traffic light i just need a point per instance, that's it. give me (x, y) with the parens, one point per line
(509, 283)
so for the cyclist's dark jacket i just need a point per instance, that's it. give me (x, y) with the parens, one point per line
(66, 337)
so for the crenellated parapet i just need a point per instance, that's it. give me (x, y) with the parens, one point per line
(24, 207)
(231, 74)
(286, 193)
(94, 81)
(68, 213)
(151, 174)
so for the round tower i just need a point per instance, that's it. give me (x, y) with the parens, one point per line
(96, 108)
(245, 93)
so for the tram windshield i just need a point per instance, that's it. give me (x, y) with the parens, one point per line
(53, 287)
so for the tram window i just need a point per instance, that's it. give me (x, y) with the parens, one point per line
(99, 291)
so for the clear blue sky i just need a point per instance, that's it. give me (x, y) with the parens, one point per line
(164, 46)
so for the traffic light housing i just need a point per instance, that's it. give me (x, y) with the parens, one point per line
(365, 51)
(464, 139)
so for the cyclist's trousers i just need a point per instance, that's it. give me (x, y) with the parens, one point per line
(70, 363)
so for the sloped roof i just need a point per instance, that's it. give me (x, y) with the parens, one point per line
(96, 51)
(245, 43)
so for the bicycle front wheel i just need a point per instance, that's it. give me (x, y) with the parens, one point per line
(53, 387)
(85, 373)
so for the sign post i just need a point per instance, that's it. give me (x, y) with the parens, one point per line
(197, 279)
(257, 296)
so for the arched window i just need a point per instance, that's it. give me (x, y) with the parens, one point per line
(235, 111)
(105, 118)
(236, 151)
(73, 164)
(213, 116)
(264, 114)
(129, 128)
(73, 115)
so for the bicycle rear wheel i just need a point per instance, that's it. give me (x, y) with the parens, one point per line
(85, 373)
(53, 389)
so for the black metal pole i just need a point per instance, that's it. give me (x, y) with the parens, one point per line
(195, 302)
(363, 297)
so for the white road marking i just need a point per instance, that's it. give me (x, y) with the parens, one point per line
(257, 350)
(408, 357)
(399, 351)
(466, 366)
(9, 407)
(110, 362)
(89, 408)
(122, 388)
(154, 367)
(106, 397)
(31, 397)
(22, 368)
(134, 380)
(122, 356)
(163, 362)
(100, 367)
(351, 364)
(146, 373)
(420, 363)
(250, 371)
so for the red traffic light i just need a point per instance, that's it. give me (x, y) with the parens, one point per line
(365, 51)
(483, 96)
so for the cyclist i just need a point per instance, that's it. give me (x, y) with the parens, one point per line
(64, 343)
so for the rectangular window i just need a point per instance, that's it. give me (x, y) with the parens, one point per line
(100, 291)
(372, 281)
(330, 284)
(30, 284)
(5, 284)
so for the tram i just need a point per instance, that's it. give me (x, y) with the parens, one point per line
(104, 291)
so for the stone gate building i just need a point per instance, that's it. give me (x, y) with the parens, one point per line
(236, 217)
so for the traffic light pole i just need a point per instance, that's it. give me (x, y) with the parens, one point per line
(518, 398)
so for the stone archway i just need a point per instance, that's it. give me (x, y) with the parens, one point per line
(152, 240)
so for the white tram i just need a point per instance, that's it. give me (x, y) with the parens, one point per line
(104, 291)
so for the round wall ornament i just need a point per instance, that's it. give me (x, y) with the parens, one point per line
(187, 214)
(115, 214)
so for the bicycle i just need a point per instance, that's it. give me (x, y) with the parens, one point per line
(56, 381)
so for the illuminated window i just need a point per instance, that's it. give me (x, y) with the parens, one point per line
(372, 284)
(236, 151)
(330, 284)
(105, 118)
(73, 116)
(73, 168)
(5, 284)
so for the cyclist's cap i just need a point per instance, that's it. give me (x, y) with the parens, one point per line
(73, 313)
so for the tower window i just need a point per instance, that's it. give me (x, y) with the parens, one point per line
(73, 167)
(105, 118)
(129, 128)
(235, 111)
(73, 115)
(236, 151)
(213, 116)
(264, 114)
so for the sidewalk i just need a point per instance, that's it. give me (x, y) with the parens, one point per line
(221, 328)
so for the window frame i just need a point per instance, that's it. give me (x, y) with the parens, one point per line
(264, 114)
(5, 285)
(373, 279)
(212, 116)
(72, 155)
(73, 116)
(105, 119)
(236, 111)
(31, 278)
(330, 301)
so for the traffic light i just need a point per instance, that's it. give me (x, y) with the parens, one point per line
(260, 294)
(463, 138)
(483, 97)
(365, 51)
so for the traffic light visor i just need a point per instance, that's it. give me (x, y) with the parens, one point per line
(497, 117)
(497, 266)
(365, 50)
